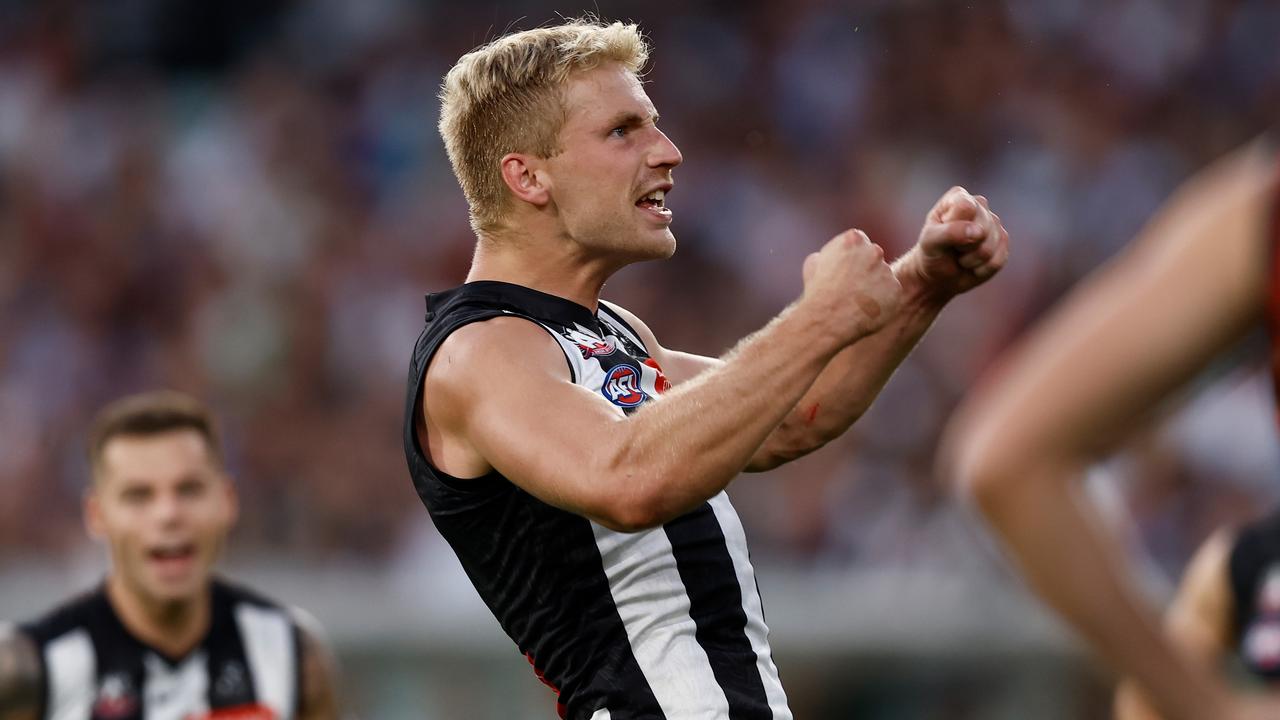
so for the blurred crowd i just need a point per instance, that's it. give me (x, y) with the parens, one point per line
(247, 200)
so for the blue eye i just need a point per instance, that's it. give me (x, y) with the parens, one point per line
(619, 131)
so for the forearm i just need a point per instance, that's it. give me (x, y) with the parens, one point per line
(849, 383)
(1055, 537)
(676, 453)
(1131, 704)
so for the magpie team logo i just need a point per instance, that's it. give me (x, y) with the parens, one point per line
(592, 347)
(622, 386)
(116, 697)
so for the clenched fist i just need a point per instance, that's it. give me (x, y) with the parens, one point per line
(962, 245)
(849, 282)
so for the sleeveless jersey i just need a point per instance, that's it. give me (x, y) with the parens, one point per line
(246, 668)
(663, 623)
(1255, 557)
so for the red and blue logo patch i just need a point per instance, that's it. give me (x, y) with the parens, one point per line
(622, 386)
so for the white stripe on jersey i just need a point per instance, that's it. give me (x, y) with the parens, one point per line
(654, 608)
(72, 668)
(176, 693)
(601, 714)
(736, 541)
(268, 643)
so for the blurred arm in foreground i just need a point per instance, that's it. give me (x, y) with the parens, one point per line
(1191, 285)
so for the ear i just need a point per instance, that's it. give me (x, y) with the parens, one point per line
(526, 178)
(93, 520)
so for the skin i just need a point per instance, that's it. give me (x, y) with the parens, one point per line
(1094, 368)
(1199, 622)
(153, 495)
(574, 221)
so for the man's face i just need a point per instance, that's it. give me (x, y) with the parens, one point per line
(612, 159)
(164, 508)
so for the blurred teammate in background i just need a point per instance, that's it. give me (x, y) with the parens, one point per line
(575, 465)
(1198, 278)
(163, 638)
(1227, 610)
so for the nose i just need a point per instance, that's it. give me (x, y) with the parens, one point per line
(168, 509)
(665, 154)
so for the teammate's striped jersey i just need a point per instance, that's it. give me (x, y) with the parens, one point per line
(665, 623)
(246, 668)
(1254, 571)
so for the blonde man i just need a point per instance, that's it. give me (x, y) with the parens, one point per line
(577, 466)
(162, 637)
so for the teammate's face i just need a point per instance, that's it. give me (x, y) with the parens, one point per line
(612, 157)
(163, 507)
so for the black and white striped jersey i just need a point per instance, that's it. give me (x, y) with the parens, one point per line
(665, 623)
(1254, 572)
(246, 668)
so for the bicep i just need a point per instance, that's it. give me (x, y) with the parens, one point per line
(20, 676)
(1190, 284)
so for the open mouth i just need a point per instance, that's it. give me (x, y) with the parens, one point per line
(172, 555)
(655, 202)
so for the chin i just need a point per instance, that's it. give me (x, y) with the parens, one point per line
(660, 248)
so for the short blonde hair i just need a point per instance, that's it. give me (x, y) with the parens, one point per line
(508, 96)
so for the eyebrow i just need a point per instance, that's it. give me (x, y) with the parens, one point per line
(632, 119)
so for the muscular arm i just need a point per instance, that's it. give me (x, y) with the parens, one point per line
(961, 245)
(842, 392)
(20, 676)
(1198, 622)
(319, 670)
(1190, 285)
(573, 449)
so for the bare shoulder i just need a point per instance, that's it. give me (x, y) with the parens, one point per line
(319, 669)
(20, 675)
(476, 356)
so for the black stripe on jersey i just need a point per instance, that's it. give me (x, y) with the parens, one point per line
(298, 670)
(715, 604)
(226, 651)
(116, 655)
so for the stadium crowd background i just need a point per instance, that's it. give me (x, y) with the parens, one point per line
(246, 200)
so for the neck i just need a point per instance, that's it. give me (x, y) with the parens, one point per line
(558, 268)
(174, 627)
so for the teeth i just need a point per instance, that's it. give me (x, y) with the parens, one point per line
(657, 196)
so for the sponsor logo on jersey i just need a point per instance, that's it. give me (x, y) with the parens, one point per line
(232, 683)
(622, 386)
